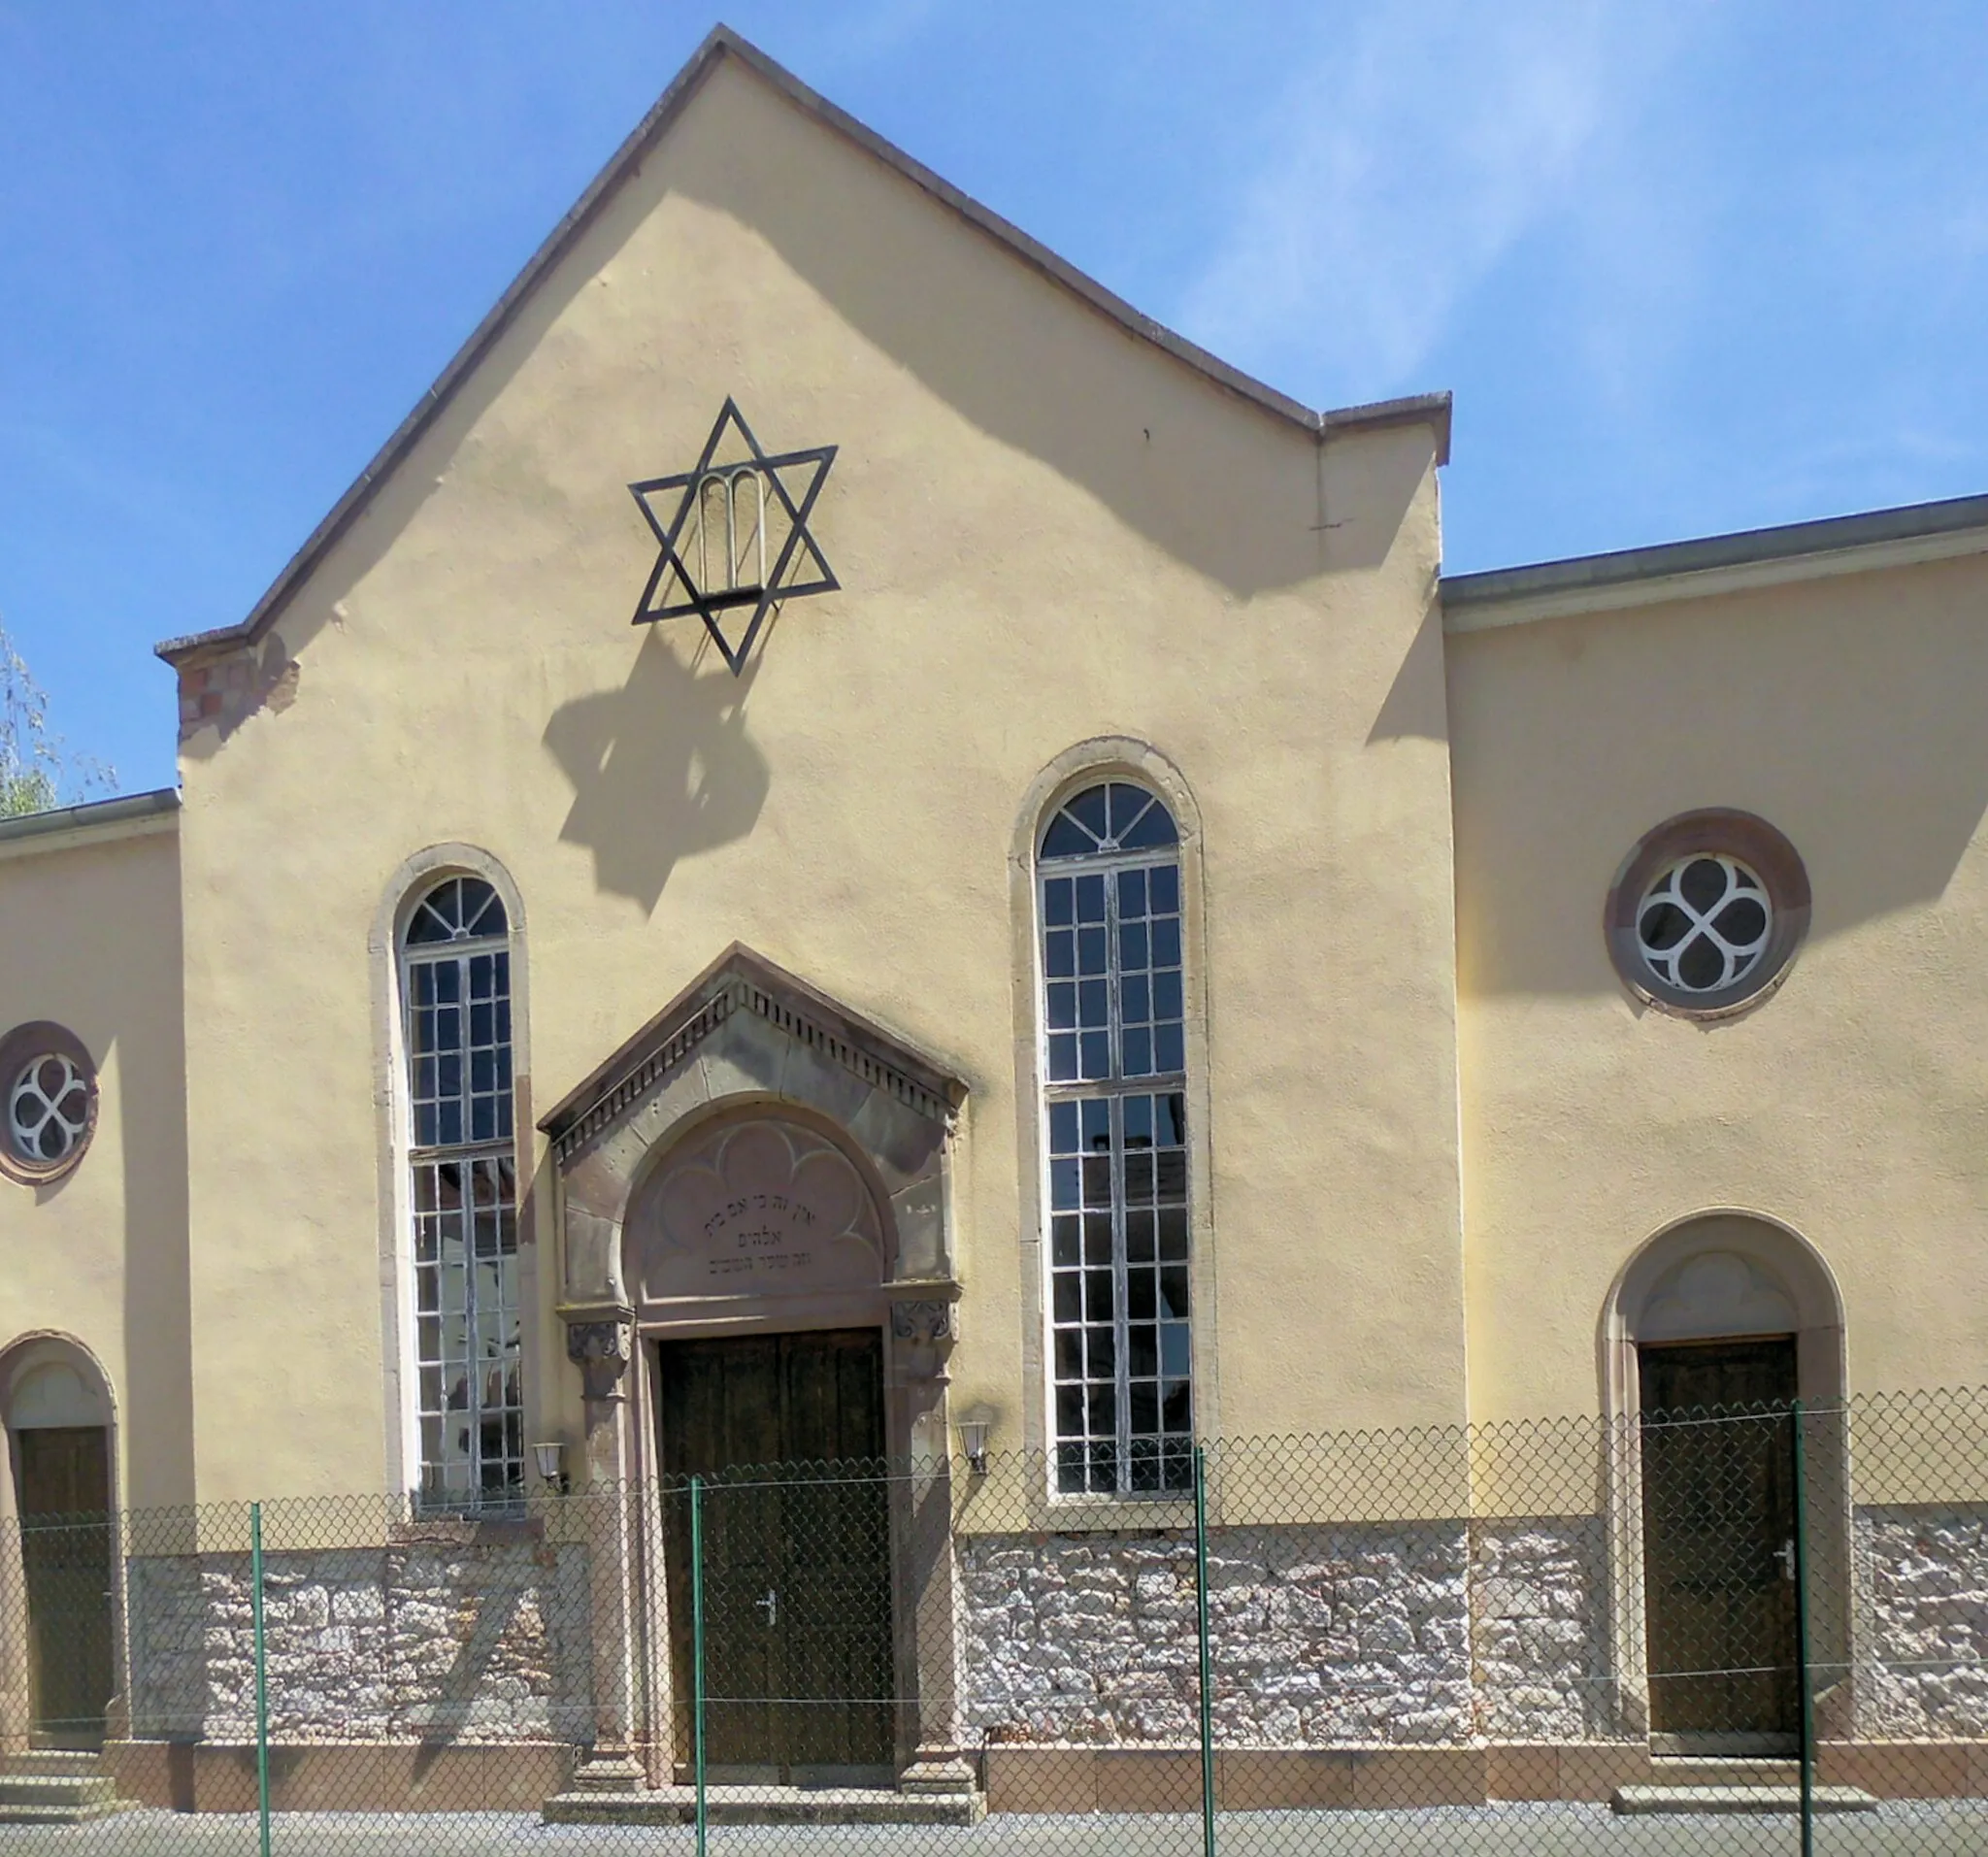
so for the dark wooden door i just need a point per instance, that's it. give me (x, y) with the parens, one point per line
(64, 1487)
(1718, 1517)
(797, 1660)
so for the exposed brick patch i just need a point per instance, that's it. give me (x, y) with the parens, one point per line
(224, 691)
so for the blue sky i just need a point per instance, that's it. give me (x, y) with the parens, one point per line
(1687, 268)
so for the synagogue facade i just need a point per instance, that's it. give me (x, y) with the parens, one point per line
(1056, 934)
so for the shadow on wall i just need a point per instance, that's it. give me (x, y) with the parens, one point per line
(1232, 492)
(1847, 718)
(1416, 705)
(662, 768)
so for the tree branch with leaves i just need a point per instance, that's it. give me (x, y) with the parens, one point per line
(37, 770)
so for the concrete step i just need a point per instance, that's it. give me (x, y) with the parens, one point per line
(52, 1760)
(62, 1814)
(50, 1789)
(1671, 1772)
(1631, 1800)
(766, 1805)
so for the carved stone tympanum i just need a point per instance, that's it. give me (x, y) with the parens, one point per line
(762, 1208)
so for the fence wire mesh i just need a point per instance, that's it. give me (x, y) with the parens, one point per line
(1759, 1627)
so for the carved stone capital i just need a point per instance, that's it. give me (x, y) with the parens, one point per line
(601, 1344)
(929, 1322)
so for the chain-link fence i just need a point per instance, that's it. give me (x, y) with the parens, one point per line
(1754, 1628)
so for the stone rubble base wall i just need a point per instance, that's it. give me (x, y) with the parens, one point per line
(1423, 1634)
(1404, 1635)
(1354, 1632)
(1922, 1654)
(422, 1642)
(1540, 1629)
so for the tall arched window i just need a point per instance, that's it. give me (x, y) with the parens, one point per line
(1115, 1109)
(455, 993)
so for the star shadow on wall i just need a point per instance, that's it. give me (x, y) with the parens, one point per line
(733, 536)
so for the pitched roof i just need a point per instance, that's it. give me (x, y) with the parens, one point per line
(1426, 409)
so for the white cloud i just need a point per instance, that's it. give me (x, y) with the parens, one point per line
(1413, 143)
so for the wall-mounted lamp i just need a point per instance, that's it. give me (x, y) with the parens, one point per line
(973, 1427)
(551, 1460)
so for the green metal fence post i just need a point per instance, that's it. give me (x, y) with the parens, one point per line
(1207, 1689)
(697, 1649)
(1801, 1564)
(261, 1673)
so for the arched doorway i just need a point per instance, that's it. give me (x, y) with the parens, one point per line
(748, 1043)
(59, 1428)
(757, 1250)
(1715, 1330)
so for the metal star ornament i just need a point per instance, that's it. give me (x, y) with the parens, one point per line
(733, 533)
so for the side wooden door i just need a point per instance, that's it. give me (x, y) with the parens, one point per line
(65, 1548)
(1718, 1518)
(797, 1660)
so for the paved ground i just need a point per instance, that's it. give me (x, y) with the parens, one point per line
(1500, 1831)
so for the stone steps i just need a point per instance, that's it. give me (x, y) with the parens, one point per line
(57, 1789)
(1729, 1799)
(1672, 1770)
(765, 1806)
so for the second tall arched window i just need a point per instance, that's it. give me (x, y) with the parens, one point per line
(1116, 1126)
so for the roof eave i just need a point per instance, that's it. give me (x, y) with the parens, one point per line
(1909, 535)
(91, 822)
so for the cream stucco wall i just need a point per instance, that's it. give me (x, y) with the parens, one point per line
(1046, 531)
(90, 925)
(1849, 1105)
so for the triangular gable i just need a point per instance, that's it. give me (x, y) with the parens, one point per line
(741, 980)
(1431, 410)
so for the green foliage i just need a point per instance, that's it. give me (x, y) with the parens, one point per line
(37, 771)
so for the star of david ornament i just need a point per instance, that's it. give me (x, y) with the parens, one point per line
(733, 535)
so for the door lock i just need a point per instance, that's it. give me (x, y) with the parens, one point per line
(1785, 1554)
(771, 1606)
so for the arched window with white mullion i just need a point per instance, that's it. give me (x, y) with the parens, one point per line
(1114, 1089)
(455, 999)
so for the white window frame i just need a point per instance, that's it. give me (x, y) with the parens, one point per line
(496, 1153)
(1115, 1088)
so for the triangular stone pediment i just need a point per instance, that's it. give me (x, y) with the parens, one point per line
(797, 1016)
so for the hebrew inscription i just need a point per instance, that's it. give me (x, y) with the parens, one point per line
(757, 1209)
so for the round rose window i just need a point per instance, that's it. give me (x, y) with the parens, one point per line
(1704, 924)
(48, 1111)
(1706, 911)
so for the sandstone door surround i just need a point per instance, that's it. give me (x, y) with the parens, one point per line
(758, 1157)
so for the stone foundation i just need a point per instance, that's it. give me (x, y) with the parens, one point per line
(1539, 1628)
(1348, 1632)
(427, 1641)
(1921, 1647)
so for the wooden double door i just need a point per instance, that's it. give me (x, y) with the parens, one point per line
(1718, 1523)
(63, 1483)
(789, 1429)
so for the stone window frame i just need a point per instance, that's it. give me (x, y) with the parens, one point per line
(1718, 831)
(19, 1049)
(400, 897)
(1084, 764)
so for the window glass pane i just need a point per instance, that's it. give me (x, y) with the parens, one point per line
(1112, 1012)
(1087, 809)
(465, 1237)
